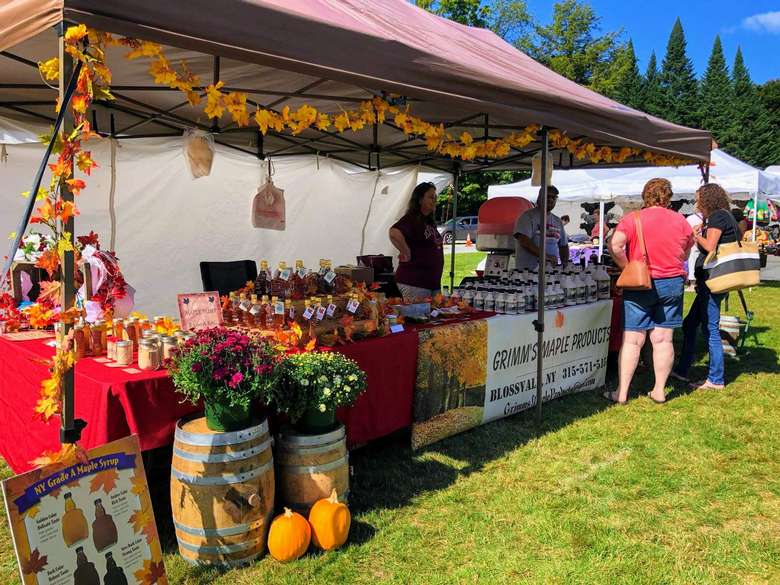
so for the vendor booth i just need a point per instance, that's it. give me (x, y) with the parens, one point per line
(293, 133)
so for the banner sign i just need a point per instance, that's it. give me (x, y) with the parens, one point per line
(86, 522)
(478, 371)
(199, 310)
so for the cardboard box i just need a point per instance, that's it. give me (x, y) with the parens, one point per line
(363, 274)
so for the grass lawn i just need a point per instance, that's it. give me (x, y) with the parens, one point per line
(687, 492)
(465, 264)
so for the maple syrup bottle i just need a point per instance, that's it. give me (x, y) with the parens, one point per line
(103, 528)
(262, 281)
(227, 311)
(265, 312)
(243, 309)
(114, 573)
(85, 573)
(254, 313)
(74, 524)
(275, 317)
(289, 312)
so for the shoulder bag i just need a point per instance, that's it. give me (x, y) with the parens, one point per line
(636, 274)
(733, 266)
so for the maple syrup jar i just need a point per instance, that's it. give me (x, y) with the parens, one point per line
(103, 528)
(74, 524)
(168, 345)
(79, 342)
(149, 355)
(124, 352)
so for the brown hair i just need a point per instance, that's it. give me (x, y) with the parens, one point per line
(712, 197)
(657, 192)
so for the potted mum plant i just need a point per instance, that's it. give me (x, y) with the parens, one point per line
(310, 386)
(228, 371)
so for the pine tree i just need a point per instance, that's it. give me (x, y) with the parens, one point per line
(716, 96)
(751, 136)
(628, 89)
(652, 100)
(678, 81)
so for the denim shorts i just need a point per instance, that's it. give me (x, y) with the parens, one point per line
(661, 306)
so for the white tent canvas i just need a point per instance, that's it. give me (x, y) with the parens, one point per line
(167, 222)
(740, 180)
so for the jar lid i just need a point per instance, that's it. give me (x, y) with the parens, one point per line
(148, 333)
(148, 342)
(167, 339)
(124, 343)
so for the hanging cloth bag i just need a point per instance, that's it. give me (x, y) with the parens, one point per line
(733, 266)
(268, 208)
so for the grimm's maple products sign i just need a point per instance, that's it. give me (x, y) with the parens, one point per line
(86, 522)
(199, 310)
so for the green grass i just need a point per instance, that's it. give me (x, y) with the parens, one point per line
(687, 492)
(465, 265)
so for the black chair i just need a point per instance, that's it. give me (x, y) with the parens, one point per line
(227, 277)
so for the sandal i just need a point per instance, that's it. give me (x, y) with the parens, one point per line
(679, 378)
(608, 396)
(707, 385)
(650, 396)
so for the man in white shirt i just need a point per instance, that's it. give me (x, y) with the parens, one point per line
(528, 235)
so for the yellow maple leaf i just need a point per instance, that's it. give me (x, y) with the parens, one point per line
(323, 122)
(64, 244)
(140, 519)
(341, 121)
(50, 69)
(75, 33)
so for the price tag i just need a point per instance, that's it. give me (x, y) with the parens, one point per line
(434, 313)
(285, 274)
(320, 313)
(330, 276)
(352, 306)
(396, 328)
(279, 309)
(308, 313)
(331, 310)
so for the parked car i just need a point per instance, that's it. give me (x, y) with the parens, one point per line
(463, 226)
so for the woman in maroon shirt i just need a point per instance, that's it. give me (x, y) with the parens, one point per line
(421, 256)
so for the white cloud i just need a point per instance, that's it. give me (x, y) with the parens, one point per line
(768, 22)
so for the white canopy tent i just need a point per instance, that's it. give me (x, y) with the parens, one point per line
(334, 210)
(739, 179)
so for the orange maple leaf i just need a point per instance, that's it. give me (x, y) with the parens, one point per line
(69, 452)
(151, 573)
(76, 185)
(46, 212)
(559, 319)
(50, 291)
(66, 209)
(105, 480)
(311, 345)
(143, 521)
(61, 169)
(35, 563)
(49, 261)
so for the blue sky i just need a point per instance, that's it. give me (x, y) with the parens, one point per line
(649, 23)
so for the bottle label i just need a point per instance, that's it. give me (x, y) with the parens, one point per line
(302, 272)
(291, 314)
(308, 313)
(352, 306)
(330, 276)
(331, 310)
(321, 313)
(285, 274)
(255, 310)
(279, 309)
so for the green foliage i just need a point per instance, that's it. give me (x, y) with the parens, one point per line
(572, 46)
(469, 12)
(322, 380)
(509, 19)
(678, 81)
(473, 191)
(752, 138)
(716, 95)
(627, 79)
(652, 93)
(770, 98)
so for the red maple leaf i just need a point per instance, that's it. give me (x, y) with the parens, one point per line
(35, 563)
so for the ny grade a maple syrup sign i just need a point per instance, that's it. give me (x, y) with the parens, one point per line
(88, 522)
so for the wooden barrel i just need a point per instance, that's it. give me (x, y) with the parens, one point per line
(222, 492)
(730, 331)
(309, 467)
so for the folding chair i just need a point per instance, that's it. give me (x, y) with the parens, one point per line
(227, 277)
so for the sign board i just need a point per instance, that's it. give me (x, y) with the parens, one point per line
(471, 373)
(199, 310)
(86, 522)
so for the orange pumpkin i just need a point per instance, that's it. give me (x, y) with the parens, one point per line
(289, 536)
(330, 520)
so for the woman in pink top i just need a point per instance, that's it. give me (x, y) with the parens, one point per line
(668, 238)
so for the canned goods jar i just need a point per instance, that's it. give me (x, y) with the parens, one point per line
(168, 344)
(123, 350)
(148, 355)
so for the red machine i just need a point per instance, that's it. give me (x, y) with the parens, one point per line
(495, 230)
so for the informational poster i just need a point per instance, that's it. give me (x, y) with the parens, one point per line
(86, 522)
(200, 310)
(576, 343)
(473, 372)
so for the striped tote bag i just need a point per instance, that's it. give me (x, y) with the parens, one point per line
(733, 266)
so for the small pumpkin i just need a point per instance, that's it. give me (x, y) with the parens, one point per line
(289, 536)
(330, 521)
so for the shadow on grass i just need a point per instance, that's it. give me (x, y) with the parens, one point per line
(388, 474)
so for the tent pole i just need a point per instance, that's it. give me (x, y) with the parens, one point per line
(540, 301)
(601, 230)
(755, 214)
(455, 187)
(39, 175)
(70, 429)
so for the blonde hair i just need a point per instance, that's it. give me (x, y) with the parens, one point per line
(657, 192)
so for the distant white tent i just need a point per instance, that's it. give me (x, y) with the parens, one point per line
(740, 180)
(773, 170)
